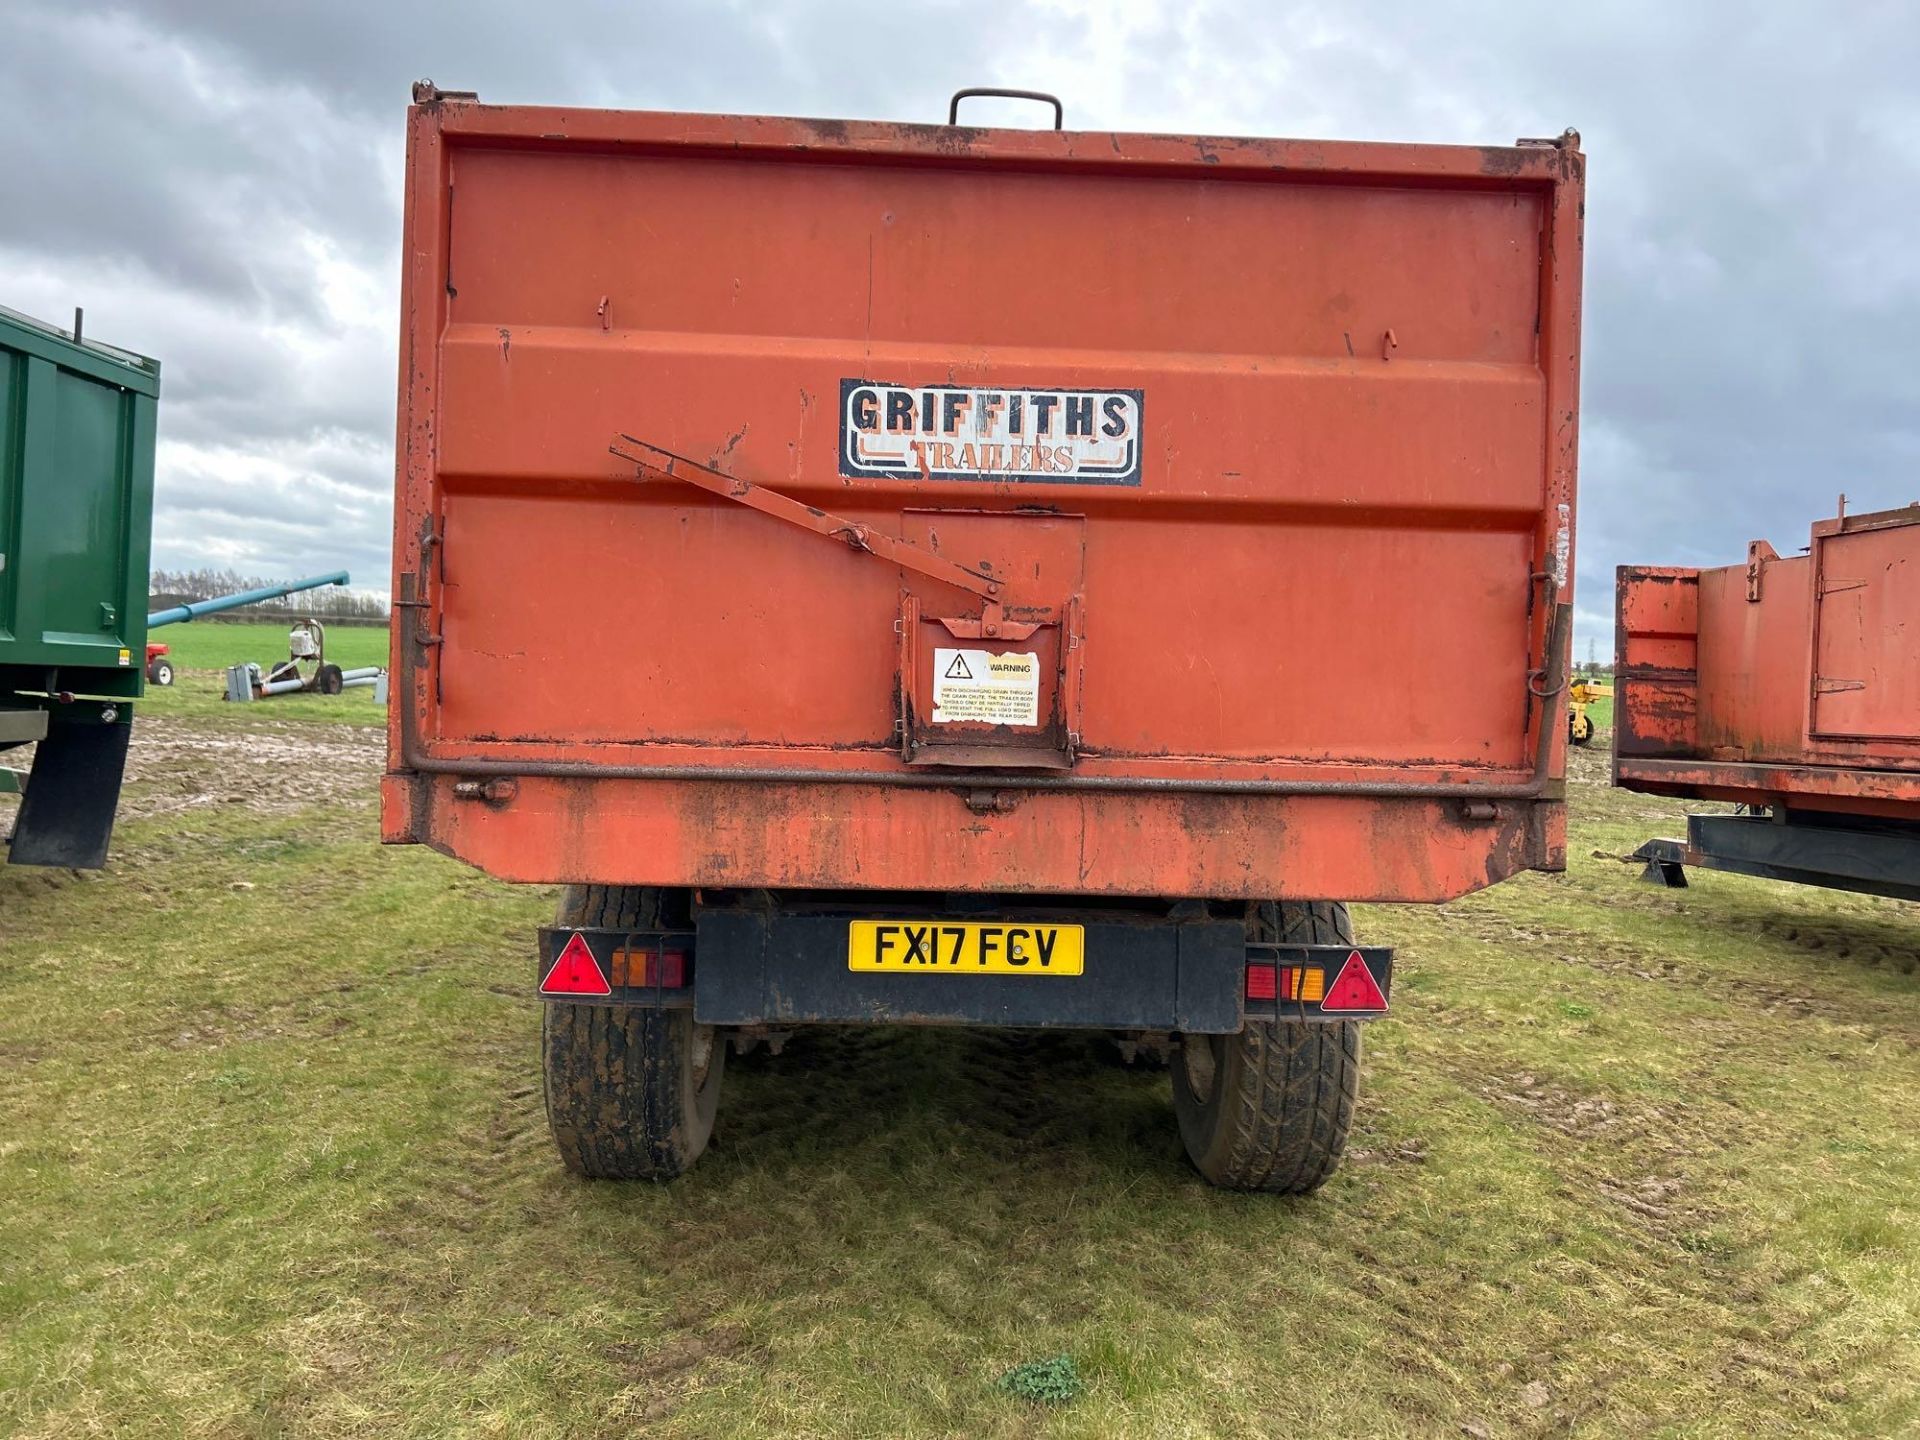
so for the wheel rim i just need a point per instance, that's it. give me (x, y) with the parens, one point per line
(1200, 1064)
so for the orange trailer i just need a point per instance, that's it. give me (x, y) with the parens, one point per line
(1790, 686)
(921, 573)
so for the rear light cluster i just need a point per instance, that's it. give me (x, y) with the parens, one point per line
(576, 972)
(648, 968)
(1290, 982)
(1353, 989)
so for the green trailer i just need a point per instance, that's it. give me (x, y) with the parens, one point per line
(76, 513)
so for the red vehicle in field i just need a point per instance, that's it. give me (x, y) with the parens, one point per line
(929, 574)
(1791, 686)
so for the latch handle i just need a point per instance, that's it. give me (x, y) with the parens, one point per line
(889, 548)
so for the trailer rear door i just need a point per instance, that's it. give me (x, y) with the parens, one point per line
(1866, 632)
(1250, 464)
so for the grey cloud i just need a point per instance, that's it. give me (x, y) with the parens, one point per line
(1752, 292)
(859, 60)
(124, 147)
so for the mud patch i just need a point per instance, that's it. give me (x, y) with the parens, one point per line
(1591, 764)
(1636, 1156)
(1582, 1117)
(1405, 1152)
(661, 1377)
(271, 768)
(1655, 1199)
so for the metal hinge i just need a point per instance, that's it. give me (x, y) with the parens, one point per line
(1758, 553)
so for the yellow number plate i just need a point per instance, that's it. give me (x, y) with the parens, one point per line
(940, 947)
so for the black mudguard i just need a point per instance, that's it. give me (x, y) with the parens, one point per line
(66, 815)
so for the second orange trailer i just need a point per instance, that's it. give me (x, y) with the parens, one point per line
(1789, 685)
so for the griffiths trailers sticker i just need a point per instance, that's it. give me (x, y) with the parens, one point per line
(945, 432)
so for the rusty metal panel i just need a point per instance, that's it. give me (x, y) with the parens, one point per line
(1220, 440)
(1789, 680)
(1866, 678)
(1656, 643)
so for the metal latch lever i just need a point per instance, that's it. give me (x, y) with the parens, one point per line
(652, 460)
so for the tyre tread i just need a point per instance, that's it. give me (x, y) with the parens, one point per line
(1294, 1083)
(612, 1075)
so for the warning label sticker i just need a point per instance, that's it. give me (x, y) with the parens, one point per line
(985, 688)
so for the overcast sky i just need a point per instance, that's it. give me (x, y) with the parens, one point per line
(218, 182)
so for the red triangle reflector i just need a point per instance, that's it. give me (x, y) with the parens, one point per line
(575, 972)
(1355, 988)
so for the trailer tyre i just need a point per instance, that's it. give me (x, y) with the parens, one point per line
(1270, 1108)
(631, 1093)
(331, 680)
(160, 671)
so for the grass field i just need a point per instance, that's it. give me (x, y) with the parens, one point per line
(209, 645)
(272, 1162)
(201, 651)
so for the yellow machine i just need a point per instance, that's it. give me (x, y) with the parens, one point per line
(1580, 695)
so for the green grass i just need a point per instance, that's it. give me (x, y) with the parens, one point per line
(272, 1162)
(211, 645)
(201, 652)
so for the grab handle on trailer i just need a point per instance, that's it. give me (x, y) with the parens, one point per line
(996, 93)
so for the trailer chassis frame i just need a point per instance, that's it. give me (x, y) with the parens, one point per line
(769, 966)
(1839, 852)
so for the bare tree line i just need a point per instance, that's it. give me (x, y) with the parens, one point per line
(336, 601)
